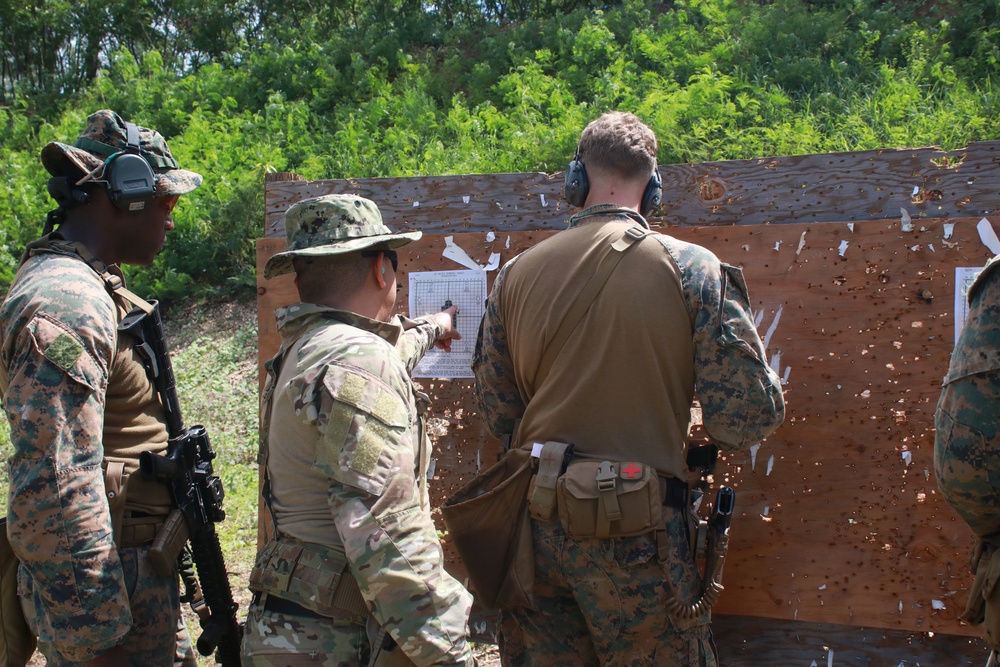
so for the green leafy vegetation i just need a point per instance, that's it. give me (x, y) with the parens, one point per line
(397, 88)
(404, 88)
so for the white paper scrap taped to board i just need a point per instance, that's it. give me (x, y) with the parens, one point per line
(429, 292)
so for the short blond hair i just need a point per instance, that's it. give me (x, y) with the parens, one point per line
(620, 143)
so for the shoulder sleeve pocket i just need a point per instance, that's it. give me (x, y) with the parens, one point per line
(66, 351)
(736, 325)
(365, 428)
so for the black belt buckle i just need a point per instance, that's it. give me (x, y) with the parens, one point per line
(278, 605)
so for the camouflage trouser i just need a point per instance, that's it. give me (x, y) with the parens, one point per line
(967, 450)
(154, 602)
(271, 639)
(184, 652)
(604, 602)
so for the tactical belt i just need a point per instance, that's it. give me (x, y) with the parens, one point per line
(553, 459)
(307, 579)
(278, 605)
(675, 492)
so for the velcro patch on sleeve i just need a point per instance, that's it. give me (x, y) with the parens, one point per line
(370, 445)
(61, 346)
(352, 389)
(389, 409)
(64, 351)
(338, 428)
(367, 421)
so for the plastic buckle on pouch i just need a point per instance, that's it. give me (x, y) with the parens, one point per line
(607, 479)
(637, 233)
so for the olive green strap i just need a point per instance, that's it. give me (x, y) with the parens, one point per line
(587, 296)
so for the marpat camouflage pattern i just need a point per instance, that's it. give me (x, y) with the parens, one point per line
(59, 355)
(967, 421)
(670, 324)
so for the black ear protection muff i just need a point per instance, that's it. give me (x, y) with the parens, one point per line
(652, 195)
(130, 180)
(577, 187)
(64, 190)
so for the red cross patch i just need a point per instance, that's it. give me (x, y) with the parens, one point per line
(631, 470)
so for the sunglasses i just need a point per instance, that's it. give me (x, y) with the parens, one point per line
(391, 254)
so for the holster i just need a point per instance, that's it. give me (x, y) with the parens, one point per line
(385, 650)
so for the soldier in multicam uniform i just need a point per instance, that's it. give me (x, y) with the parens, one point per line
(670, 323)
(967, 442)
(81, 409)
(356, 559)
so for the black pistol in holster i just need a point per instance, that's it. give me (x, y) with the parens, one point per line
(713, 534)
(196, 494)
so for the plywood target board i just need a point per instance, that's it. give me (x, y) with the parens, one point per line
(838, 519)
(851, 264)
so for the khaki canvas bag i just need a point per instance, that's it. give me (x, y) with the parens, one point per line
(983, 607)
(490, 528)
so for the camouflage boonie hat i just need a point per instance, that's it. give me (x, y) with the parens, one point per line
(104, 136)
(332, 225)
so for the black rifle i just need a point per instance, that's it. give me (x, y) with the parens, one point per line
(196, 493)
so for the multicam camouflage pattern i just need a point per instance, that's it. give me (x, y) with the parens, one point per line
(332, 225)
(604, 602)
(284, 640)
(967, 421)
(741, 402)
(57, 343)
(342, 450)
(104, 136)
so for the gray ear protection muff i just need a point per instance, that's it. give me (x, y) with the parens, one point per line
(577, 187)
(130, 180)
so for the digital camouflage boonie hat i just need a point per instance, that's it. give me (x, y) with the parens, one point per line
(332, 225)
(104, 136)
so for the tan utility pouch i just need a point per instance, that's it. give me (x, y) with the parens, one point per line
(604, 499)
(314, 577)
(984, 596)
(17, 641)
(542, 502)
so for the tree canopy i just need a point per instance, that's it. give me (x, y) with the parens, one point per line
(370, 88)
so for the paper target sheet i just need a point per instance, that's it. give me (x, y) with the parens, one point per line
(430, 291)
(964, 277)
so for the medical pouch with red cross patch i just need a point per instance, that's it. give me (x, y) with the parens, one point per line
(609, 499)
